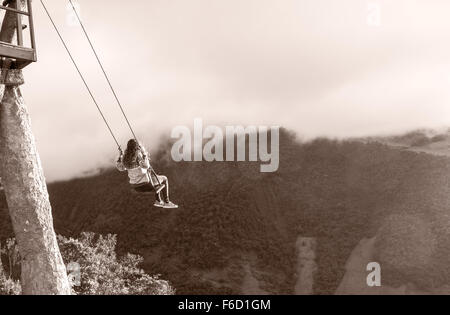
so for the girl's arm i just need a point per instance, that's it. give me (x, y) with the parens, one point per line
(144, 161)
(119, 163)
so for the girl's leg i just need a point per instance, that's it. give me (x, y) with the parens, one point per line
(165, 192)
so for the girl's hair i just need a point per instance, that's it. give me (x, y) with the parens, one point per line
(130, 158)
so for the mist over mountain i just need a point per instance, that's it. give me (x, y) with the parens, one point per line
(237, 229)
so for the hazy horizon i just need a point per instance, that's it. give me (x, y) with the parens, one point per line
(316, 67)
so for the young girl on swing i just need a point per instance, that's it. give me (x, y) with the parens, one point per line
(142, 177)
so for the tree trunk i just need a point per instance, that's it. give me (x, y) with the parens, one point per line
(43, 270)
(2, 271)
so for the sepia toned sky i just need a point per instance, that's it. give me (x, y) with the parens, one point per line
(319, 67)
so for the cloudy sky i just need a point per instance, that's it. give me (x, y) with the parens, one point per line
(319, 67)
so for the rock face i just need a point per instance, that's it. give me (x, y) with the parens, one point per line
(306, 265)
(354, 280)
(43, 270)
(251, 285)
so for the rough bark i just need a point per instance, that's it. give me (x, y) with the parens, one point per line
(2, 271)
(43, 270)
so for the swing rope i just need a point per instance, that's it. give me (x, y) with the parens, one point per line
(151, 171)
(103, 69)
(81, 75)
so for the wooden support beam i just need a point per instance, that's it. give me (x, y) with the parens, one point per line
(8, 29)
(11, 32)
(19, 26)
(14, 10)
(31, 22)
(12, 51)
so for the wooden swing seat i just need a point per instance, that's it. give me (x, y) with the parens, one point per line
(146, 192)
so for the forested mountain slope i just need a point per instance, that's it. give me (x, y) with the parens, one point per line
(235, 223)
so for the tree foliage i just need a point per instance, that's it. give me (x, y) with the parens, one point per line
(98, 269)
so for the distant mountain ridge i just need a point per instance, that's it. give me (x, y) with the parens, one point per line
(422, 140)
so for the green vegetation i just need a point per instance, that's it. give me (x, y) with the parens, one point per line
(98, 269)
